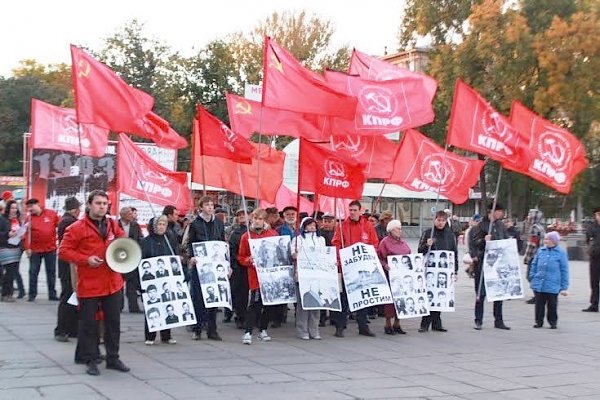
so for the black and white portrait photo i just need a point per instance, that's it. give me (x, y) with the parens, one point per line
(161, 271)
(171, 318)
(146, 269)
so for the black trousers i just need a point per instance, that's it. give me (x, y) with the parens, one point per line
(7, 278)
(165, 334)
(541, 301)
(434, 319)
(66, 322)
(239, 291)
(257, 314)
(498, 317)
(206, 317)
(341, 318)
(132, 286)
(87, 338)
(594, 280)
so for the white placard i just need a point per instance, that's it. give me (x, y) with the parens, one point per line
(274, 269)
(212, 266)
(364, 279)
(318, 278)
(407, 282)
(501, 272)
(166, 297)
(439, 280)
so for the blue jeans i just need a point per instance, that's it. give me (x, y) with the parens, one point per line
(35, 262)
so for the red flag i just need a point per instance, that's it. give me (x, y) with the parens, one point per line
(557, 155)
(141, 177)
(376, 153)
(152, 126)
(248, 117)
(56, 128)
(422, 165)
(476, 126)
(327, 173)
(104, 99)
(286, 197)
(383, 107)
(223, 173)
(287, 85)
(217, 140)
(370, 67)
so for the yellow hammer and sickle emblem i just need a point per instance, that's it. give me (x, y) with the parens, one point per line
(84, 68)
(243, 107)
(275, 63)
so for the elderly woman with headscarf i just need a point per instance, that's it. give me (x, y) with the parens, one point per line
(307, 321)
(158, 243)
(392, 245)
(549, 276)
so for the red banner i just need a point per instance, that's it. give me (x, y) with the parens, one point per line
(478, 127)
(248, 117)
(217, 140)
(287, 85)
(104, 99)
(223, 173)
(56, 128)
(557, 155)
(370, 67)
(141, 177)
(328, 173)
(286, 197)
(383, 106)
(422, 165)
(152, 126)
(376, 153)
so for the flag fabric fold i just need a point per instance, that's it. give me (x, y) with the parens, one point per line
(141, 177)
(56, 128)
(328, 173)
(247, 117)
(557, 155)
(373, 68)
(286, 197)
(217, 140)
(102, 98)
(223, 173)
(476, 126)
(422, 165)
(288, 85)
(152, 126)
(383, 106)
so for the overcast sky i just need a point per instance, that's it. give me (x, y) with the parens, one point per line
(43, 29)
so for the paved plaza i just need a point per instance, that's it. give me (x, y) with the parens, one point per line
(523, 363)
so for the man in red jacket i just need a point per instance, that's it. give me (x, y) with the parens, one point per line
(84, 244)
(40, 244)
(353, 230)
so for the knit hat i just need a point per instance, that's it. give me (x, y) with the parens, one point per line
(554, 237)
(393, 224)
(387, 214)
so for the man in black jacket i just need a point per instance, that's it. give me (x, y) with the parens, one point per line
(67, 321)
(480, 235)
(442, 239)
(592, 238)
(204, 228)
(132, 279)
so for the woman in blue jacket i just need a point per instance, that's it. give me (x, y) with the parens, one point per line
(549, 276)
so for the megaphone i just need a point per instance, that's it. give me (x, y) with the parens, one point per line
(123, 255)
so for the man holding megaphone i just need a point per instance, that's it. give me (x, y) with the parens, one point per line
(85, 243)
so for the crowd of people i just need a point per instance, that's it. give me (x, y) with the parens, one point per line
(81, 242)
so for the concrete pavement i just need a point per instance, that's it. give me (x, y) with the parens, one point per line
(523, 363)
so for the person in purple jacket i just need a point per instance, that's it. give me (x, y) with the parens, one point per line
(392, 245)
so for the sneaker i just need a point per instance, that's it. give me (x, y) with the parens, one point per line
(316, 337)
(196, 335)
(305, 337)
(171, 341)
(264, 336)
(149, 342)
(247, 338)
(477, 325)
(63, 337)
